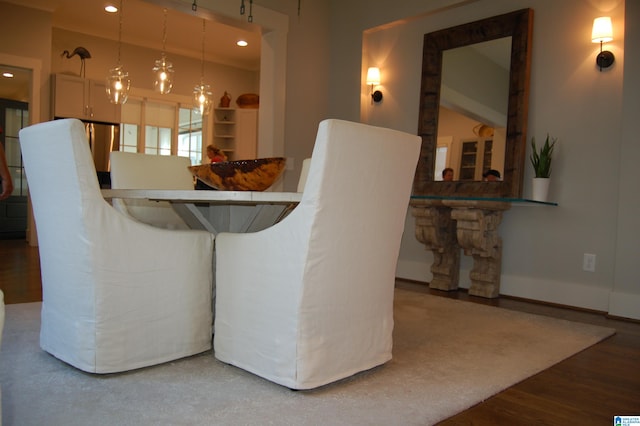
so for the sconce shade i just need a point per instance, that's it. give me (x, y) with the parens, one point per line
(373, 76)
(602, 31)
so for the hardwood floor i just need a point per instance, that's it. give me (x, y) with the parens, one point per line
(19, 272)
(587, 389)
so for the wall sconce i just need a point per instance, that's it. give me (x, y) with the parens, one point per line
(602, 32)
(373, 79)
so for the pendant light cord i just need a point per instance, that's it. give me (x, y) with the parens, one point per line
(164, 33)
(202, 62)
(242, 10)
(120, 30)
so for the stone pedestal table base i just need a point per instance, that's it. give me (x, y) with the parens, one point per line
(445, 225)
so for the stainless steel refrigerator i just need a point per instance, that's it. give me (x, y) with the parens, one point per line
(103, 138)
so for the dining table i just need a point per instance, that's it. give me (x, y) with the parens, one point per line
(218, 211)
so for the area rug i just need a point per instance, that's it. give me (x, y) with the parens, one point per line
(448, 355)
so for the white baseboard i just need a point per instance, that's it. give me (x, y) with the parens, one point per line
(563, 293)
(624, 305)
(414, 271)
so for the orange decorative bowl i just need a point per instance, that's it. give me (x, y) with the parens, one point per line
(241, 175)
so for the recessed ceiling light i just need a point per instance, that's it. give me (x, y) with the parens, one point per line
(242, 43)
(7, 74)
(110, 8)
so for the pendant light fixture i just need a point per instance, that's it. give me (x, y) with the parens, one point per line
(202, 96)
(118, 82)
(242, 10)
(163, 70)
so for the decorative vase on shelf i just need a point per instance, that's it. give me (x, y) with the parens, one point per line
(540, 189)
(541, 162)
(225, 100)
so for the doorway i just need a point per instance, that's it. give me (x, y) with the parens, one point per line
(14, 115)
(15, 91)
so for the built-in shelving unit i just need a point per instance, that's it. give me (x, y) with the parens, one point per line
(475, 159)
(235, 132)
(224, 130)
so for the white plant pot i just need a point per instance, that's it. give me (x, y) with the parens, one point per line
(540, 189)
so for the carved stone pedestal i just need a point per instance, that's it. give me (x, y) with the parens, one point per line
(436, 230)
(444, 226)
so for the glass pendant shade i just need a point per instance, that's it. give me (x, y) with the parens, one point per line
(202, 98)
(163, 72)
(118, 85)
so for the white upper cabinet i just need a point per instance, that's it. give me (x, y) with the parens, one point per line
(77, 97)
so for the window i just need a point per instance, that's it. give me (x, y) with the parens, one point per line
(157, 140)
(130, 127)
(129, 137)
(148, 126)
(190, 135)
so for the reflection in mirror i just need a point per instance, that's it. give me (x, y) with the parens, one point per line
(473, 113)
(474, 96)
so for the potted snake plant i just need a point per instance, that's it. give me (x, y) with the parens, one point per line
(541, 162)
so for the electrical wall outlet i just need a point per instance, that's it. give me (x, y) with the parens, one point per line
(589, 262)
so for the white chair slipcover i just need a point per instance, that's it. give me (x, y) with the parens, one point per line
(117, 294)
(141, 171)
(302, 181)
(309, 300)
(2, 313)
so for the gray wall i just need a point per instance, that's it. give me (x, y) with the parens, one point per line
(592, 114)
(329, 47)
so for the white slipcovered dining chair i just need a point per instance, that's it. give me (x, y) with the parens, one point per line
(2, 314)
(304, 173)
(116, 294)
(142, 171)
(309, 300)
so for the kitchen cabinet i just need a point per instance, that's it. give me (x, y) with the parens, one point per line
(77, 97)
(246, 133)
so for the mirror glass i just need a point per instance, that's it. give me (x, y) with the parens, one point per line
(472, 120)
(473, 107)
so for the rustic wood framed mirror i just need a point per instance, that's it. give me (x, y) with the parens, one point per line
(516, 26)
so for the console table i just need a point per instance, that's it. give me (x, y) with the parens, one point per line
(447, 224)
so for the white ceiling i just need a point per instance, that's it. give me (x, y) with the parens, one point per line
(143, 26)
(143, 23)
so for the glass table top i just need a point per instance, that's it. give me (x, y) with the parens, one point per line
(515, 201)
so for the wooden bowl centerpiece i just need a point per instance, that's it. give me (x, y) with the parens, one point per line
(240, 175)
